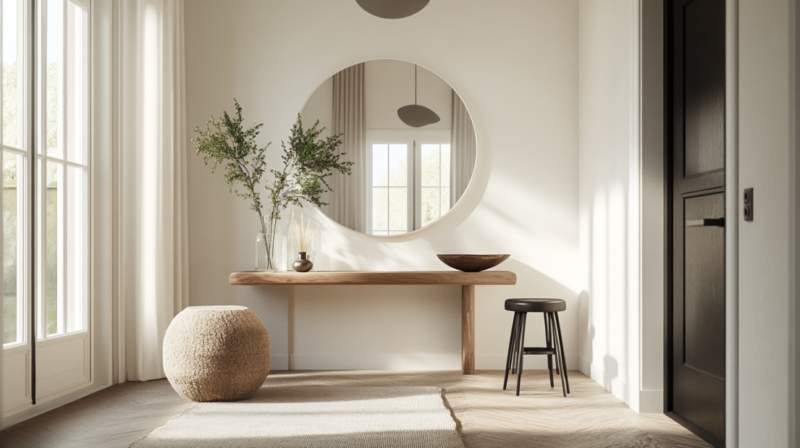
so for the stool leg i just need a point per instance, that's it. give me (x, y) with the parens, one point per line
(514, 358)
(521, 349)
(563, 357)
(552, 329)
(558, 354)
(510, 349)
(549, 346)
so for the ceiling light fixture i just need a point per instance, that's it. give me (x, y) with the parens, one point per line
(415, 115)
(392, 9)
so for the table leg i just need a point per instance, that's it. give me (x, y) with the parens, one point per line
(468, 329)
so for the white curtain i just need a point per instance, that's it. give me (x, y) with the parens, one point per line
(349, 199)
(462, 149)
(153, 270)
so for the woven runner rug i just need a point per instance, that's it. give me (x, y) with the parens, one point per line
(318, 417)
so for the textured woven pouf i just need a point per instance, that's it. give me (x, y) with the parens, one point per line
(216, 353)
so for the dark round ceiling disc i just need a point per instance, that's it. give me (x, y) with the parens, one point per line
(417, 116)
(392, 9)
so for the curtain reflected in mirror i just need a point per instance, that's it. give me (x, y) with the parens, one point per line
(404, 178)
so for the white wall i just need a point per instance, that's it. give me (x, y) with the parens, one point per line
(766, 245)
(516, 68)
(320, 107)
(795, 436)
(608, 181)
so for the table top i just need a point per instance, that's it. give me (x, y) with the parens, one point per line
(373, 278)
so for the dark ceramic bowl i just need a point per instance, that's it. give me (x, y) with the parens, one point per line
(472, 263)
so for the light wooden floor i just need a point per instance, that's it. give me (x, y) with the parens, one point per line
(487, 415)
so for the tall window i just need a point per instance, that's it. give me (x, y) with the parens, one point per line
(60, 195)
(16, 170)
(409, 178)
(390, 189)
(62, 198)
(45, 164)
(435, 182)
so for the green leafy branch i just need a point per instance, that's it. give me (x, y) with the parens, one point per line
(226, 142)
(308, 161)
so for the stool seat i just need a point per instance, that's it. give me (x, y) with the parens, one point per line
(536, 305)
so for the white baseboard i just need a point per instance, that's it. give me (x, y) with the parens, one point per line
(585, 366)
(278, 362)
(30, 411)
(616, 386)
(407, 361)
(498, 362)
(651, 401)
(375, 361)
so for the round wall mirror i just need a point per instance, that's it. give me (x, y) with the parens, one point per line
(410, 138)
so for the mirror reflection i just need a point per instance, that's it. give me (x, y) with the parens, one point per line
(410, 138)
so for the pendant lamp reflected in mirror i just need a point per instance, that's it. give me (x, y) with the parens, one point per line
(416, 115)
(392, 9)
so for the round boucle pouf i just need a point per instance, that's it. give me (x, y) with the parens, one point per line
(216, 353)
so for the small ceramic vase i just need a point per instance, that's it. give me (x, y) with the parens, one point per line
(302, 264)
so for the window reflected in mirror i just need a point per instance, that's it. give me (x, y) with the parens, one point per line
(404, 177)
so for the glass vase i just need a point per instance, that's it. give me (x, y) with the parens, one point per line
(261, 252)
(270, 248)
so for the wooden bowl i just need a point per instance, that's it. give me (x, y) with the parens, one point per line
(471, 262)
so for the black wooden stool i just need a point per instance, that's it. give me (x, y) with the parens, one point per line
(552, 329)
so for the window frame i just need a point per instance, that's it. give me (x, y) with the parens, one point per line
(414, 139)
(31, 236)
(63, 160)
(24, 193)
(62, 365)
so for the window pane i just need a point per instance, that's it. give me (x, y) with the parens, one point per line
(445, 168)
(445, 200)
(55, 83)
(39, 260)
(380, 165)
(380, 209)
(53, 238)
(430, 165)
(14, 233)
(398, 209)
(76, 84)
(76, 267)
(398, 165)
(430, 205)
(12, 88)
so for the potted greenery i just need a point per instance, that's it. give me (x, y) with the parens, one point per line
(307, 163)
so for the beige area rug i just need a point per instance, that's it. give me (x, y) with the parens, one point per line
(318, 417)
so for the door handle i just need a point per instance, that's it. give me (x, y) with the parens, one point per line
(707, 222)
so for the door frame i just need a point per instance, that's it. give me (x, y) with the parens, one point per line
(731, 219)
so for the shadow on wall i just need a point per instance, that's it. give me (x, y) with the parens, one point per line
(607, 303)
(610, 371)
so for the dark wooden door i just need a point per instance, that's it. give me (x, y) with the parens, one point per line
(696, 308)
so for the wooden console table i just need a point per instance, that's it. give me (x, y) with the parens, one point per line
(467, 280)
